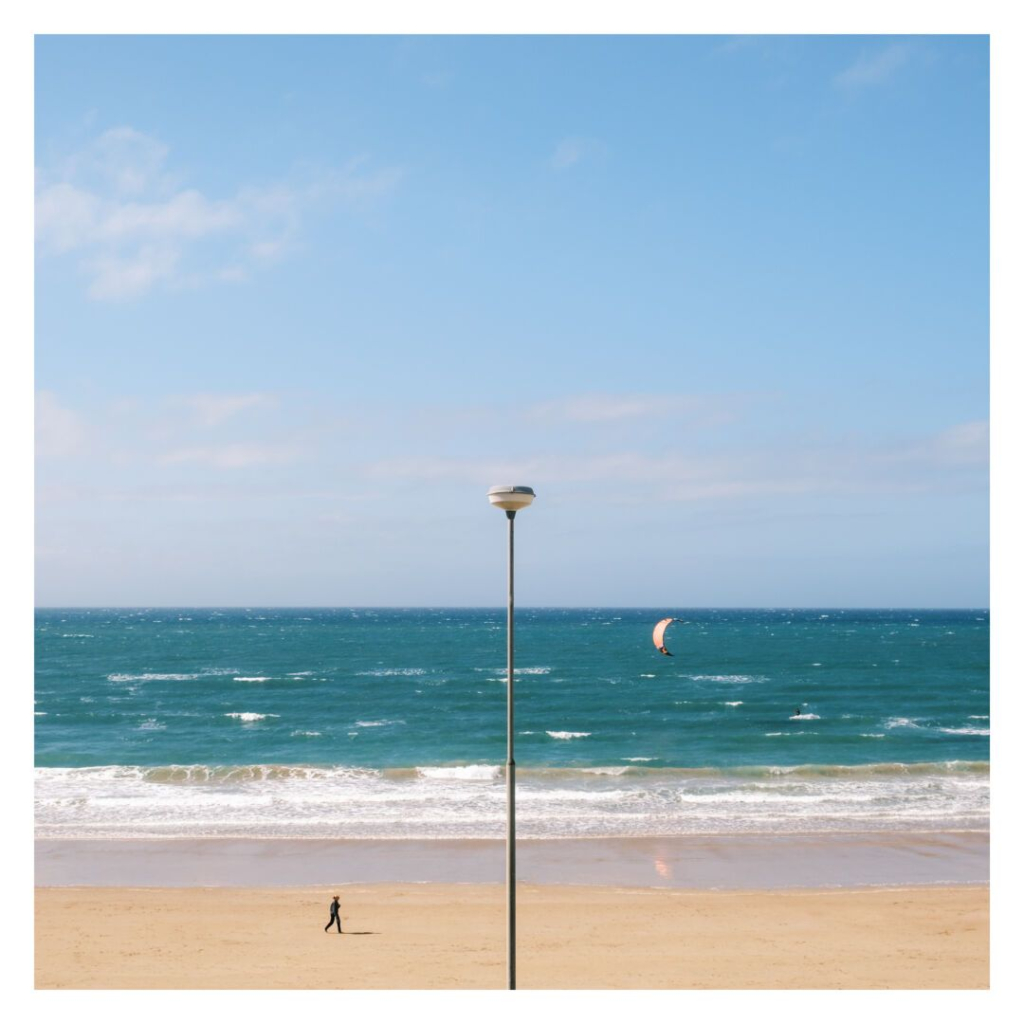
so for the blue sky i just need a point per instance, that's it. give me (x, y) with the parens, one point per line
(722, 301)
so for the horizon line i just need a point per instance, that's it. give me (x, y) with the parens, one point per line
(501, 607)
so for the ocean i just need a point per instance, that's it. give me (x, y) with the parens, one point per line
(390, 723)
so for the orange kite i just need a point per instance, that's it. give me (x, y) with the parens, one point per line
(659, 635)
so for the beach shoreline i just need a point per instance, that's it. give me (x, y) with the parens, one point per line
(451, 936)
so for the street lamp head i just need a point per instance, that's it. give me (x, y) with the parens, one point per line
(510, 498)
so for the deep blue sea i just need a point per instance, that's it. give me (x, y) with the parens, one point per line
(391, 722)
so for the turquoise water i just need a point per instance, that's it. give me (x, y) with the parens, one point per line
(392, 721)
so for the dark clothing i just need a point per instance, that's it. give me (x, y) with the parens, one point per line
(335, 919)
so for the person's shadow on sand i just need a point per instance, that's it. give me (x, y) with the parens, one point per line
(357, 933)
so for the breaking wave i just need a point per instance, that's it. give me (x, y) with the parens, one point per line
(468, 800)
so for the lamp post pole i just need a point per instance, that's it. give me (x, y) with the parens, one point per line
(511, 499)
(510, 762)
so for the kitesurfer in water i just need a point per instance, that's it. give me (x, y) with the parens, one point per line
(659, 635)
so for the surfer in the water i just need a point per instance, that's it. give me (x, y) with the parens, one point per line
(797, 712)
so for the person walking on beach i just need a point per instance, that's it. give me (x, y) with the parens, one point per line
(335, 919)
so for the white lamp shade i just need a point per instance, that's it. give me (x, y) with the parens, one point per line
(511, 498)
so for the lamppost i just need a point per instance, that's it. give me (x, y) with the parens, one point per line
(511, 500)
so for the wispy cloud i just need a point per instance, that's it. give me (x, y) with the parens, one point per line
(211, 410)
(117, 209)
(615, 408)
(874, 67)
(60, 431)
(226, 488)
(120, 160)
(234, 456)
(954, 459)
(116, 275)
(572, 150)
(437, 79)
(963, 446)
(733, 44)
(207, 430)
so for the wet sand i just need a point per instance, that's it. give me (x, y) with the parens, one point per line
(692, 862)
(451, 936)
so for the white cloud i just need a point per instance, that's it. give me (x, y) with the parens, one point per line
(119, 159)
(965, 443)
(961, 447)
(66, 216)
(131, 227)
(60, 432)
(117, 276)
(874, 68)
(268, 249)
(185, 215)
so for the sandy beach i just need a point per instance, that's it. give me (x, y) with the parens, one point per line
(444, 936)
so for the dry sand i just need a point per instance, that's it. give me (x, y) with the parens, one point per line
(412, 936)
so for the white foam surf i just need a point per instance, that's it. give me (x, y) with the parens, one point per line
(726, 679)
(528, 670)
(468, 772)
(385, 672)
(154, 677)
(469, 801)
(902, 723)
